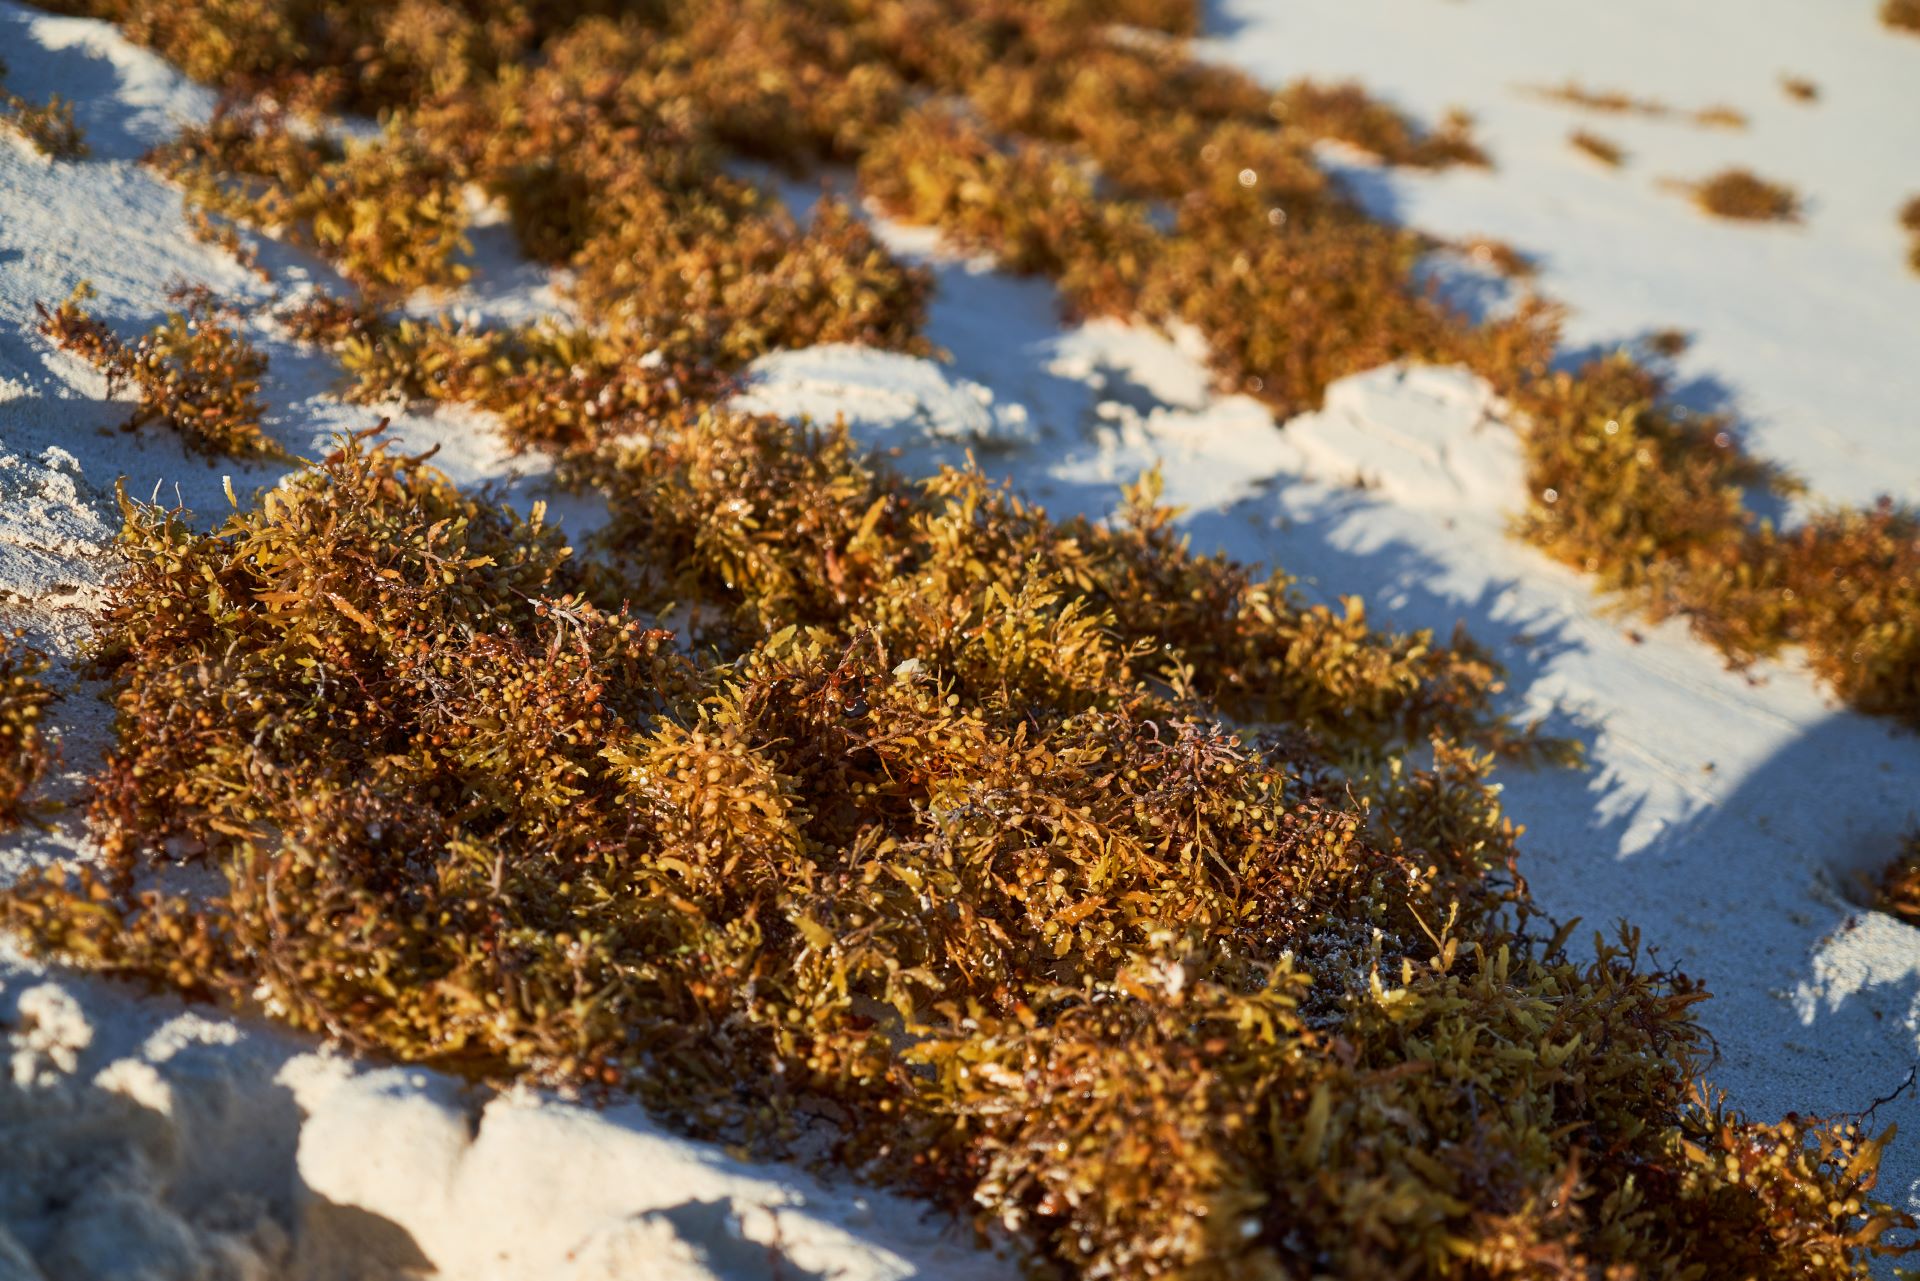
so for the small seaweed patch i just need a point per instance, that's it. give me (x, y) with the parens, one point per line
(1744, 196)
(1613, 102)
(933, 840)
(1347, 113)
(1610, 154)
(1800, 88)
(48, 127)
(193, 371)
(387, 213)
(554, 387)
(1850, 587)
(1030, 205)
(24, 752)
(1498, 256)
(1898, 891)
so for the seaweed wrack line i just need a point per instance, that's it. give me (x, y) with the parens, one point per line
(937, 825)
(1044, 140)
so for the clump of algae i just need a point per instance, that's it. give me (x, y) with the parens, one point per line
(1616, 103)
(24, 752)
(193, 371)
(1800, 88)
(1898, 891)
(48, 127)
(1743, 195)
(1110, 891)
(387, 212)
(1610, 154)
(607, 154)
(938, 832)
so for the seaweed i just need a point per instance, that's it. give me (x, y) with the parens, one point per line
(1613, 102)
(1610, 154)
(48, 127)
(1910, 219)
(1032, 207)
(1119, 894)
(24, 751)
(1649, 499)
(383, 210)
(1851, 580)
(1800, 88)
(1346, 113)
(554, 387)
(935, 842)
(1743, 195)
(193, 371)
(1040, 135)
(1897, 891)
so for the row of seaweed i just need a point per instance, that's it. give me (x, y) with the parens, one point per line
(1149, 185)
(1108, 891)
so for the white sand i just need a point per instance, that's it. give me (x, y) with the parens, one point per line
(1725, 817)
(1811, 329)
(146, 1141)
